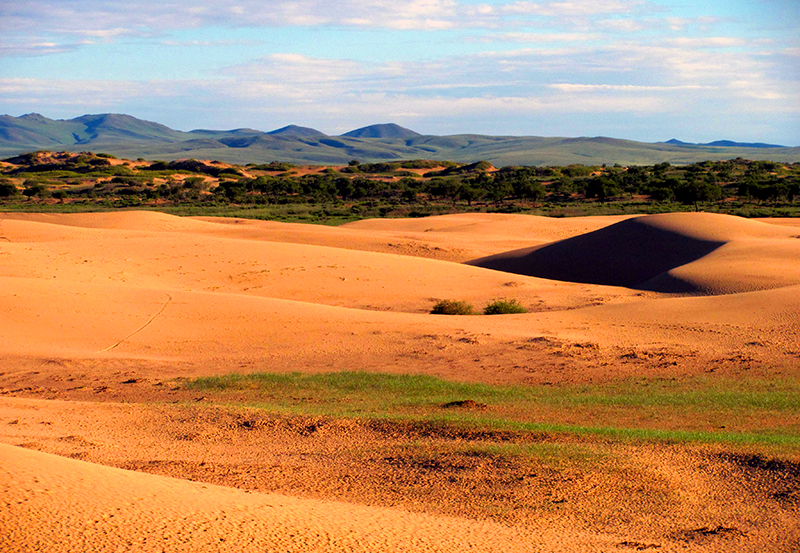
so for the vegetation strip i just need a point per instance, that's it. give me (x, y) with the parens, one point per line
(737, 412)
(336, 194)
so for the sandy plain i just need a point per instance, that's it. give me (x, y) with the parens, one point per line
(102, 315)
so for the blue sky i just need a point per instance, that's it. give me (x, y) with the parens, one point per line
(645, 70)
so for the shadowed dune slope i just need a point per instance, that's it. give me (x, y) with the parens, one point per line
(656, 252)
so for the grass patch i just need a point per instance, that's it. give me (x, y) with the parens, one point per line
(452, 307)
(695, 410)
(504, 307)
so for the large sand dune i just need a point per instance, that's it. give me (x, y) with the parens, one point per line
(88, 301)
(687, 252)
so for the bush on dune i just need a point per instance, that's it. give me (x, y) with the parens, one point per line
(504, 307)
(452, 307)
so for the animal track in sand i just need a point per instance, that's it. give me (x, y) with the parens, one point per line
(145, 325)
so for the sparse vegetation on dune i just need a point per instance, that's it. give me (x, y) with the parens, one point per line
(504, 307)
(452, 307)
(705, 410)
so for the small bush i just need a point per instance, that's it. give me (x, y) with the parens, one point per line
(504, 307)
(7, 189)
(36, 189)
(452, 307)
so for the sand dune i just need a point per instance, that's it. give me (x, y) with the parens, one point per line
(532, 228)
(470, 235)
(125, 220)
(94, 508)
(90, 301)
(152, 286)
(675, 252)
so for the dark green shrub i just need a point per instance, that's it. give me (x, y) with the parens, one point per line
(7, 189)
(36, 190)
(504, 307)
(452, 307)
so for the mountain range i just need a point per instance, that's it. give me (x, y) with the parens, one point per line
(129, 137)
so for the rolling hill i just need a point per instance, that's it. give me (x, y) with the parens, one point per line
(127, 136)
(386, 130)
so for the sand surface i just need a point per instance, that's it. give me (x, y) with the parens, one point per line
(52, 503)
(99, 312)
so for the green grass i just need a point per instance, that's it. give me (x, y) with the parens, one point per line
(452, 307)
(504, 307)
(694, 410)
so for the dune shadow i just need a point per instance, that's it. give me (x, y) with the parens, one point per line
(631, 253)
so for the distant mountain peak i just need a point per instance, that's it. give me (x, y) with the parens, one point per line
(731, 143)
(113, 119)
(385, 130)
(34, 117)
(295, 131)
(724, 144)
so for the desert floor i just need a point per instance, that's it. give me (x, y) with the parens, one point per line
(106, 318)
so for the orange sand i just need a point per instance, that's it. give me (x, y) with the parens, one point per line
(87, 299)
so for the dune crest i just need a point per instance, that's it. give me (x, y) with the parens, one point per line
(668, 253)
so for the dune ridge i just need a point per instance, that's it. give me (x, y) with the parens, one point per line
(670, 253)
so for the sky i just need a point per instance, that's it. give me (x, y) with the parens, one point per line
(647, 70)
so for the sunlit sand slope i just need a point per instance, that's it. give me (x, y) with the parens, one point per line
(452, 237)
(55, 504)
(223, 295)
(160, 253)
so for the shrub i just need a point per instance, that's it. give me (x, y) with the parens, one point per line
(452, 307)
(7, 189)
(504, 307)
(35, 189)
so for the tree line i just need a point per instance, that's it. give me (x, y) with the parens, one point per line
(93, 176)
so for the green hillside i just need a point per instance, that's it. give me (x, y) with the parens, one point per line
(126, 136)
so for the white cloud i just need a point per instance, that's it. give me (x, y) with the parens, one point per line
(622, 25)
(33, 47)
(707, 42)
(681, 23)
(69, 92)
(208, 43)
(105, 18)
(566, 87)
(541, 37)
(106, 33)
(576, 8)
(109, 18)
